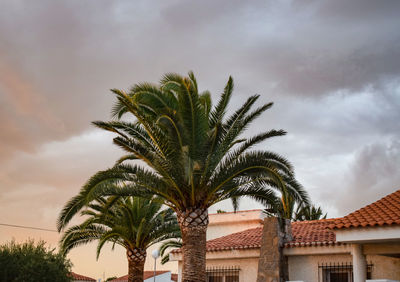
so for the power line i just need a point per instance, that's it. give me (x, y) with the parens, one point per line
(28, 227)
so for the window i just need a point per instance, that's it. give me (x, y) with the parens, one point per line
(343, 274)
(338, 272)
(223, 274)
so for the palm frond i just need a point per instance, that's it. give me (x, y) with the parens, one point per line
(218, 113)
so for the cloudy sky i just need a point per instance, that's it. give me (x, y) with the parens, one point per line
(331, 68)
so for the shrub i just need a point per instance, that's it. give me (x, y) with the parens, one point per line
(28, 262)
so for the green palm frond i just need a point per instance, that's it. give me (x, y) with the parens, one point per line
(171, 244)
(131, 222)
(218, 113)
(80, 235)
(309, 212)
(195, 155)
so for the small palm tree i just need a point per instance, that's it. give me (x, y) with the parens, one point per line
(286, 207)
(309, 212)
(194, 156)
(133, 223)
(281, 207)
(171, 244)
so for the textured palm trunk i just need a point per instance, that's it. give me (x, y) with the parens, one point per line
(193, 226)
(136, 259)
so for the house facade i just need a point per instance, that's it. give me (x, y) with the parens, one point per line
(361, 246)
(220, 224)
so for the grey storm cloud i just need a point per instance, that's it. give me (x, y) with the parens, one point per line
(373, 174)
(331, 67)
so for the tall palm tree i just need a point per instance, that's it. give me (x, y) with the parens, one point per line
(195, 157)
(133, 223)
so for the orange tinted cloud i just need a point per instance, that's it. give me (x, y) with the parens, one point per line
(24, 112)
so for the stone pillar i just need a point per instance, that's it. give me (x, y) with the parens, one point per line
(359, 263)
(272, 265)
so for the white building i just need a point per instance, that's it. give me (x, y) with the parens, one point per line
(364, 244)
(161, 276)
(221, 224)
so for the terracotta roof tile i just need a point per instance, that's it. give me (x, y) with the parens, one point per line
(305, 233)
(312, 233)
(247, 239)
(386, 211)
(76, 276)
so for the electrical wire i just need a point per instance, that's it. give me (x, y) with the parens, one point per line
(27, 227)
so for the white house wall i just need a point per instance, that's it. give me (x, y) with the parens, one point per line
(385, 267)
(318, 250)
(222, 224)
(368, 234)
(305, 268)
(392, 248)
(246, 260)
(248, 267)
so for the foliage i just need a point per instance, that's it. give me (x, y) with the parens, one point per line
(30, 262)
(195, 156)
(171, 244)
(288, 208)
(190, 154)
(125, 221)
(309, 212)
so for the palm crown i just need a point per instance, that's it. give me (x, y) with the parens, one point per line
(195, 156)
(133, 223)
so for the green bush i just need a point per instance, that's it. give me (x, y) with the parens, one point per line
(30, 262)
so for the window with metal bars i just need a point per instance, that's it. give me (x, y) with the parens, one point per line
(338, 272)
(223, 274)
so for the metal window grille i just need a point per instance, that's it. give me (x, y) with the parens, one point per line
(338, 272)
(223, 274)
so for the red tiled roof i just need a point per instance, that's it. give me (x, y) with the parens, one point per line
(76, 276)
(146, 275)
(305, 233)
(386, 211)
(247, 239)
(312, 233)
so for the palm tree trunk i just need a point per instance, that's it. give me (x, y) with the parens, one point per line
(193, 226)
(136, 260)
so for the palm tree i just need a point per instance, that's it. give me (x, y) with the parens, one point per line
(309, 212)
(286, 207)
(174, 244)
(195, 157)
(133, 223)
